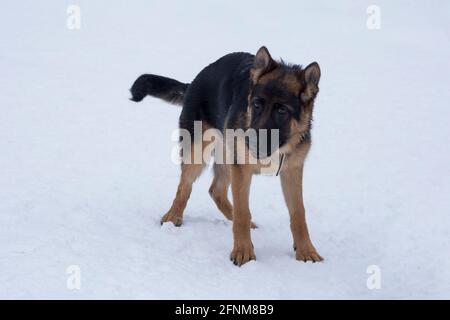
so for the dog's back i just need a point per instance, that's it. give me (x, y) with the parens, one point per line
(210, 95)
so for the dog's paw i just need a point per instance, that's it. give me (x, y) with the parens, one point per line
(176, 219)
(242, 253)
(307, 253)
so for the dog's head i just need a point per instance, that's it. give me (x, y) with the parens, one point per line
(281, 97)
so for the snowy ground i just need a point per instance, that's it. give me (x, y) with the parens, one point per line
(85, 174)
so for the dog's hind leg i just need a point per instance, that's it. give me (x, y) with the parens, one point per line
(219, 190)
(189, 173)
(192, 165)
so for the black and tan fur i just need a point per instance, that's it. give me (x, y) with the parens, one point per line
(242, 91)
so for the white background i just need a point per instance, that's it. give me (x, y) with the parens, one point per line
(85, 174)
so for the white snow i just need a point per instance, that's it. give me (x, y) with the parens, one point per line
(86, 174)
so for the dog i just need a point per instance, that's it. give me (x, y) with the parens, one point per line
(245, 91)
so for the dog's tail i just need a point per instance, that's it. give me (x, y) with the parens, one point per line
(167, 89)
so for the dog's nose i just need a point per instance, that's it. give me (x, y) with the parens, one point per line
(265, 146)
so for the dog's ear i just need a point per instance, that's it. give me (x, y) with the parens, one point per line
(263, 64)
(311, 77)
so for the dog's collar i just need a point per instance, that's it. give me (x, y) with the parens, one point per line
(280, 165)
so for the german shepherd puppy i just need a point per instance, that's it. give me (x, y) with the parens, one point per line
(245, 91)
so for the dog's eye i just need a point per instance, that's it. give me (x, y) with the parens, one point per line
(282, 109)
(257, 104)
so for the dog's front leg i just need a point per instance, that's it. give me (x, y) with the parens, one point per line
(291, 182)
(241, 177)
